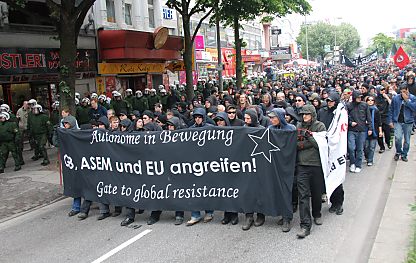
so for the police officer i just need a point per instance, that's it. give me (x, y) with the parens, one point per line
(9, 134)
(83, 112)
(140, 102)
(129, 96)
(118, 104)
(39, 127)
(153, 99)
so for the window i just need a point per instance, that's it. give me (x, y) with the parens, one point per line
(111, 14)
(127, 14)
(151, 13)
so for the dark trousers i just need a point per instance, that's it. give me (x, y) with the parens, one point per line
(309, 186)
(386, 136)
(156, 214)
(104, 208)
(337, 197)
(295, 192)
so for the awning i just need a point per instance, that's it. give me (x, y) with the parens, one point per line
(127, 45)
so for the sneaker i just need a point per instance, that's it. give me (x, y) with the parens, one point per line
(178, 220)
(352, 168)
(370, 164)
(332, 209)
(103, 216)
(82, 216)
(340, 210)
(193, 221)
(208, 218)
(286, 226)
(318, 221)
(72, 213)
(303, 233)
(357, 170)
(396, 157)
(404, 159)
(381, 151)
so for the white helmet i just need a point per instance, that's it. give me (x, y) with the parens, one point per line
(116, 94)
(55, 105)
(153, 91)
(33, 102)
(4, 107)
(76, 101)
(146, 91)
(161, 87)
(94, 96)
(5, 115)
(86, 100)
(102, 97)
(139, 94)
(77, 95)
(129, 91)
(38, 107)
(163, 91)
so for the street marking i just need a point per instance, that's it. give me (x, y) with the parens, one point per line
(122, 246)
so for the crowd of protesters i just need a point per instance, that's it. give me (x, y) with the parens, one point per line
(380, 100)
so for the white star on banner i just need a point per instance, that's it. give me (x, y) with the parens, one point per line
(264, 146)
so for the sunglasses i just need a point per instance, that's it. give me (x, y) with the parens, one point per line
(231, 112)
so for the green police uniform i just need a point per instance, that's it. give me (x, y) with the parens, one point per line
(153, 99)
(129, 99)
(40, 127)
(9, 134)
(119, 106)
(140, 104)
(18, 141)
(82, 115)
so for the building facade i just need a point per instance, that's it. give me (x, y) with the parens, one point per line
(29, 57)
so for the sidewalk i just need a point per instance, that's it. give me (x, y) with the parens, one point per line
(396, 227)
(31, 187)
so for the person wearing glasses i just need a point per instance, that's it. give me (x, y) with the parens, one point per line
(232, 116)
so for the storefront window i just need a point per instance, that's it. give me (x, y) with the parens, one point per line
(18, 94)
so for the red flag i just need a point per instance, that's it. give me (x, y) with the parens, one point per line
(401, 59)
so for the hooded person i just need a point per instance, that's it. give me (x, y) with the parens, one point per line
(222, 116)
(200, 118)
(233, 117)
(309, 170)
(359, 127)
(221, 119)
(148, 121)
(278, 120)
(251, 120)
(326, 114)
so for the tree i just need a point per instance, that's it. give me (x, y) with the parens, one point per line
(232, 12)
(382, 43)
(68, 17)
(187, 9)
(321, 34)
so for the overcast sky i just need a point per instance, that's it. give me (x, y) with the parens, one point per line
(368, 16)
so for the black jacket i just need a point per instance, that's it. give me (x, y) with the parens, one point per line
(326, 115)
(359, 113)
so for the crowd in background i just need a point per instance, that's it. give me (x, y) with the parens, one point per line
(379, 97)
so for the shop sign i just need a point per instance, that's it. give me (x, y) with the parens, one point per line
(130, 68)
(15, 61)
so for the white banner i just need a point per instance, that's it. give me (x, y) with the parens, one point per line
(333, 150)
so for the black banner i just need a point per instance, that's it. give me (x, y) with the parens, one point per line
(361, 60)
(235, 169)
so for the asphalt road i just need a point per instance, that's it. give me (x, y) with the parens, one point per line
(49, 235)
